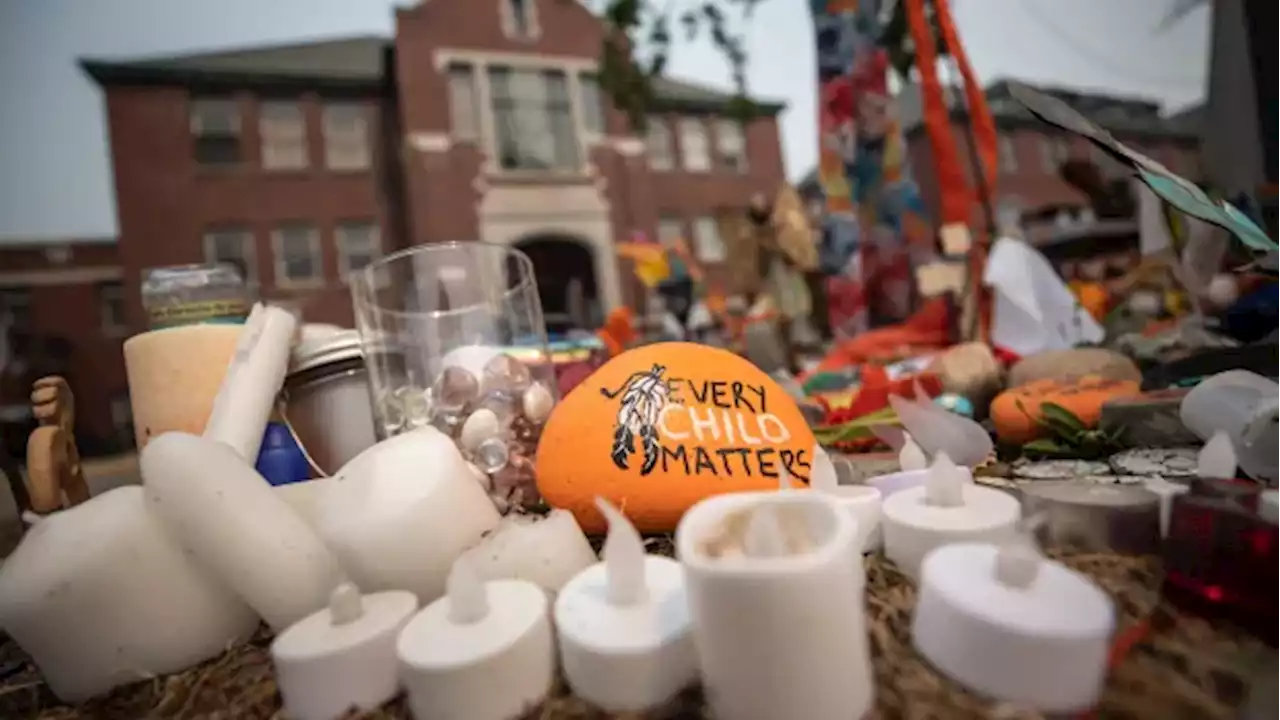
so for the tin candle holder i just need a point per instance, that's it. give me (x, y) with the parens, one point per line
(453, 336)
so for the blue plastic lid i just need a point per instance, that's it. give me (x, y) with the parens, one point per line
(280, 460)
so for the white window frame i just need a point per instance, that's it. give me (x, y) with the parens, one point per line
(708, 246)
(1007, 153)
(579, 162)
(694, 134)
(464, 112)
(728, 134)
(510, 24)
(280, 257)
(660, 144)
(594, 118)
(26, 300)
(113, 320)
(248, 251)
(343, 239)
(671, 230)
(352, 129)
(282, 128)
(203, 112)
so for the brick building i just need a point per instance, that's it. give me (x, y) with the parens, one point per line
(480, 119)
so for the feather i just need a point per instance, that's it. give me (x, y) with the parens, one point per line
(649, 436)
(623, 446)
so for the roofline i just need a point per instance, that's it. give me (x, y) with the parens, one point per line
(115, 74)
(1006, 121)
(766, 107)
(7, 243)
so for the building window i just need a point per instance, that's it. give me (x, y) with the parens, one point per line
(707, 245)
(346, 137)
(694, 150)
(670, 231)
(534, 119)
(284, 136)
(731, 146)
(1008, 155)
(519, 18)
(463, 118)
(232, 247)
(122, 419)
(297, 256)
(215, 125)
(111, 304)
(592, 104)
(658, 142)
(15, 308)
(358, 245)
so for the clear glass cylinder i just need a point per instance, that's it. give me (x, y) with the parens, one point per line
(453, 336)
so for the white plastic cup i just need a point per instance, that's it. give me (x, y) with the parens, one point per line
(1246, 406)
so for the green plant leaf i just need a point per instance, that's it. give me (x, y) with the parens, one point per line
(1058, 415)
(1047, 447)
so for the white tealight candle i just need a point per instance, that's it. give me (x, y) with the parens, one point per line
(401, 512)
(862, 502)
(623, 625)
(227, 515)
(101, 595)
(343, 657)
(546, 550)
(248, 394)
(485, 651)
(1010, 624)
(777, 606)
(947, 509)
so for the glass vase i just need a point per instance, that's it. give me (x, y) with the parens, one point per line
(453, 337)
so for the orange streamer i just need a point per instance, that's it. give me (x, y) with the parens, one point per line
(953, 188)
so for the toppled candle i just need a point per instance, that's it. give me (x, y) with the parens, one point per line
(629, 648)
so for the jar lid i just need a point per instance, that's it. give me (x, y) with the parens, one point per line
(323, 347)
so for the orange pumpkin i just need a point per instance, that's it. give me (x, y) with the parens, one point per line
(660, 427)
(1016, 412)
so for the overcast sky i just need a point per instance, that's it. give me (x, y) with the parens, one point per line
(55, 176)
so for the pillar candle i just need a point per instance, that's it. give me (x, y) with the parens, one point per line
(174, 375)
(227, 515)
(303, 497)
(862, 502)
(623, 625)
(401, 512)
(248, 393)
(344, 656)
(777, 606)
(484, 651)
(100, 595)
(1008, 623)
(545, 550)
(947, 509)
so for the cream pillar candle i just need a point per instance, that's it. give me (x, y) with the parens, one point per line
(100, 595)
(343, 657)
(623, 626)
(777, 606)
(862, 502)
(239, 527)
(401, 512)
(485, 651)
(545, 550)
(303, 497)
(1005, 622)
(947, 509)
(174, 375)
(247, 396)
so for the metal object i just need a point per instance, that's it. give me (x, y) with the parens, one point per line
(327, 405)
(1107, 518)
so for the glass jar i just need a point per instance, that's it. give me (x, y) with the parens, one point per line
(454, 337)
(188, 294)
(327, 398)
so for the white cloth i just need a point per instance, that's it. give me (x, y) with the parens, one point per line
(1033, 310)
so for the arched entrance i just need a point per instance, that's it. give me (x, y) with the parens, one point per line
(565, 270)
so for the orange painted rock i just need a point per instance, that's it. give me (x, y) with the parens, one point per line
(660, 427)
(1016, 412)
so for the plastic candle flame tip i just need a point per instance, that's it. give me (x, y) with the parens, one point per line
(822, 475)
(944, 487)
(763, 537)
(784, 480)
(31, 518)
(1217, 459)
(468, 598)
(346, 605)
(911, 457)
(1017, 564)
(623, 557)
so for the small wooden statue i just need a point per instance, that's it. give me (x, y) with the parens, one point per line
(54, 476)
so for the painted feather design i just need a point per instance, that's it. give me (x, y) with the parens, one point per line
(643, 398)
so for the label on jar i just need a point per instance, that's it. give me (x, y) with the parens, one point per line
(232, 310)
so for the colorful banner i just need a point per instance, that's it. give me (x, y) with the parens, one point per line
(874, 225)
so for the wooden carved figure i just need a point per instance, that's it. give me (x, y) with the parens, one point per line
(53, 460)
